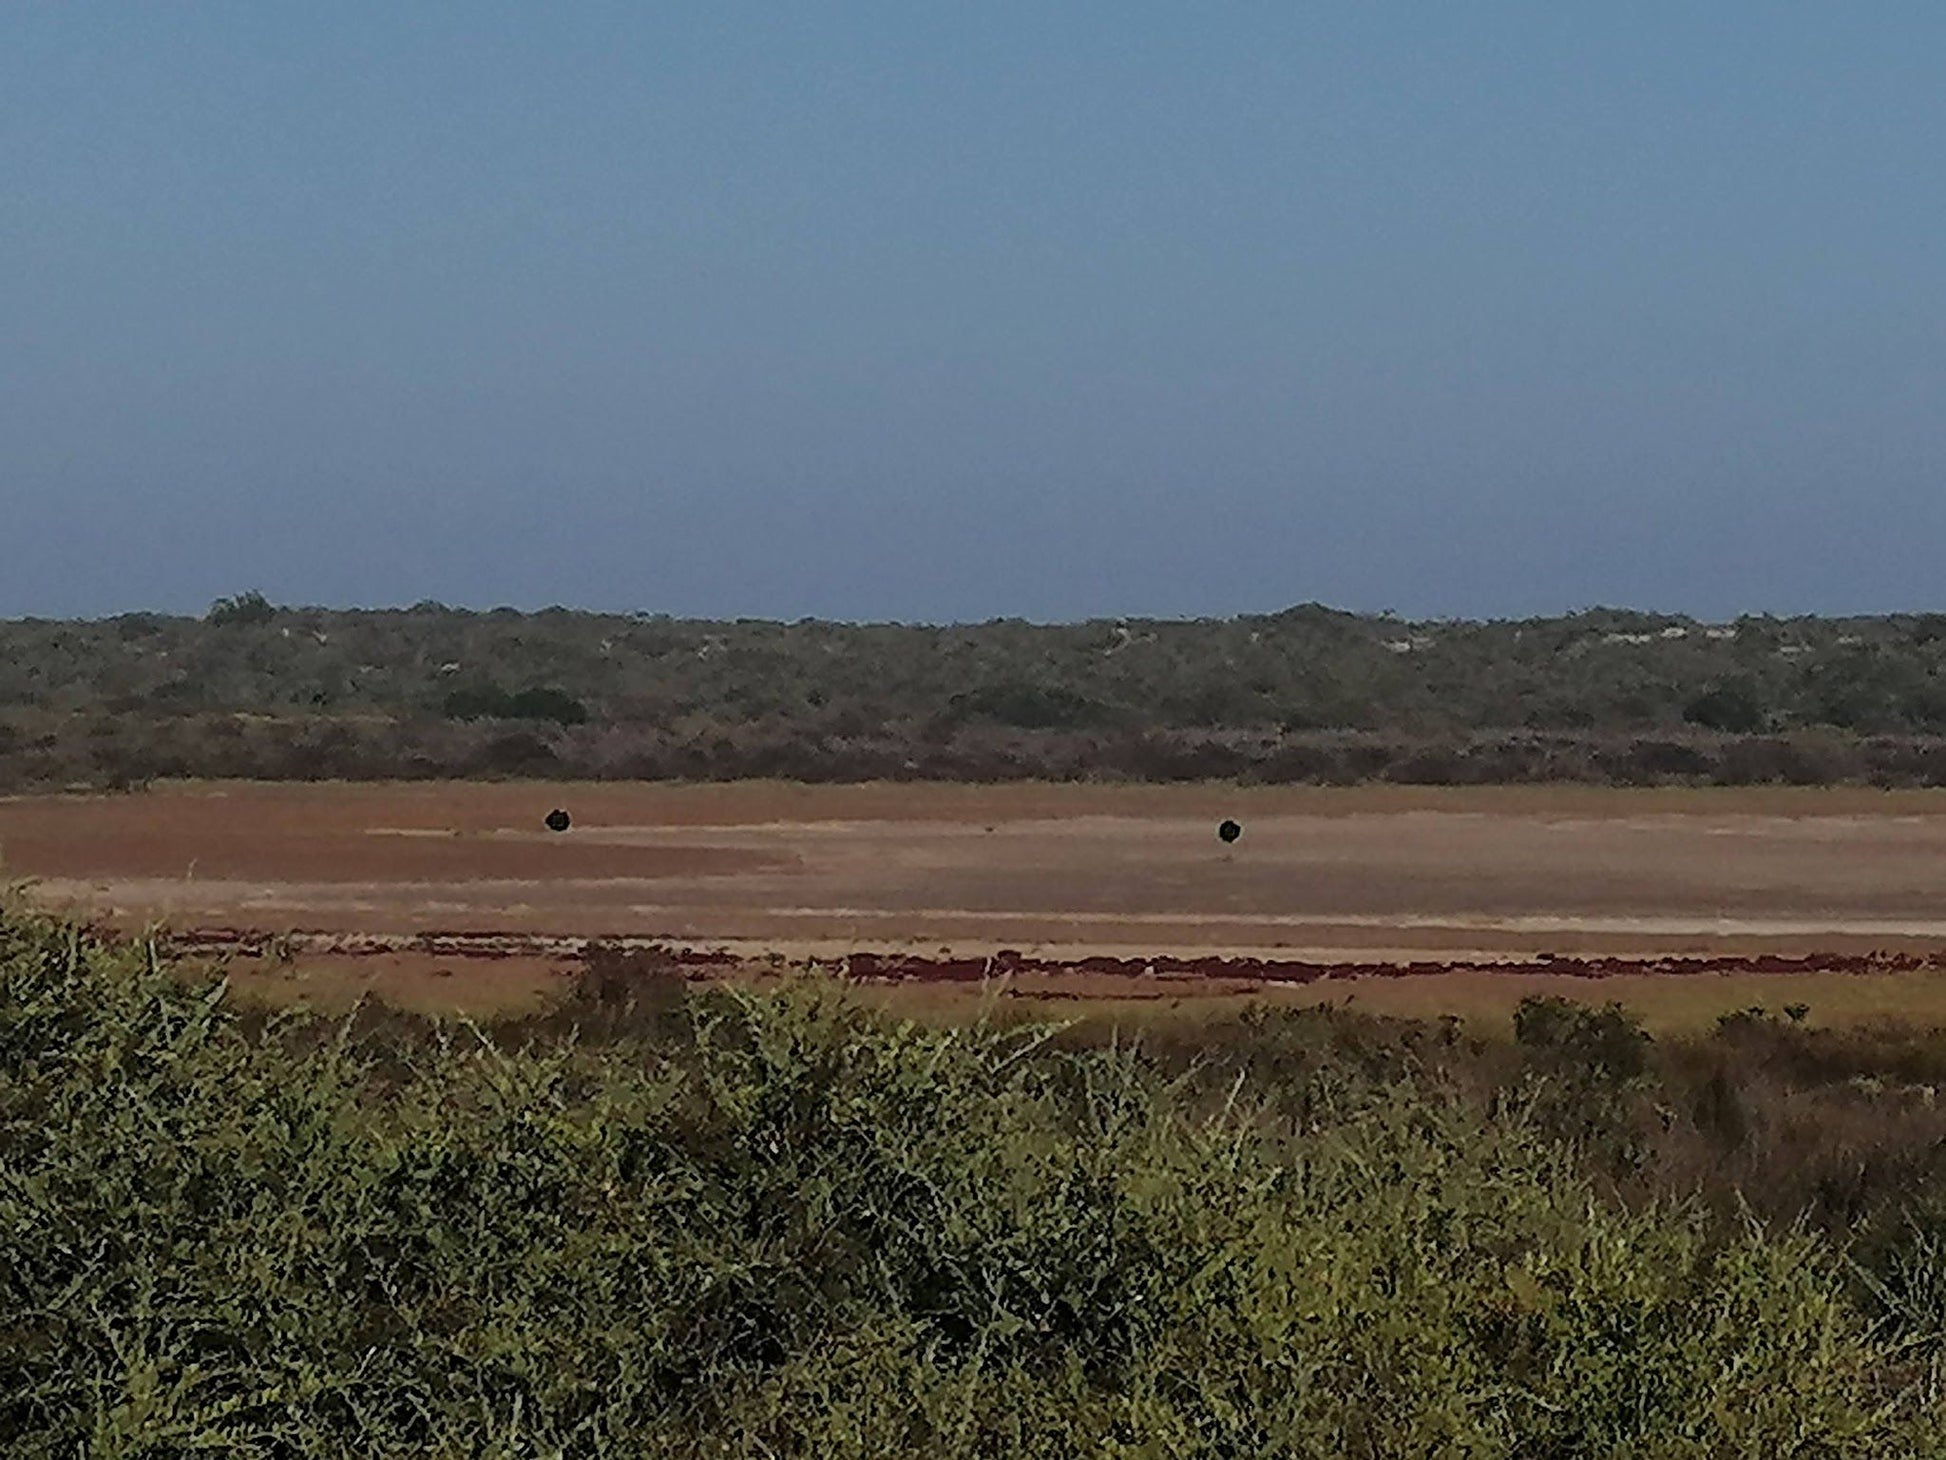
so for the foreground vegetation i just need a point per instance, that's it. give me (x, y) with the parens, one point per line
(254, 690)
(702, 1222)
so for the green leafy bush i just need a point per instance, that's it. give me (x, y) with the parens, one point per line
(1308, 694)
(539, 703)
(1731, 707)
(245, 608)
(778, 1225)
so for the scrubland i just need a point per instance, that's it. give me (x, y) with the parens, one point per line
(255, 690)
(670, 1219)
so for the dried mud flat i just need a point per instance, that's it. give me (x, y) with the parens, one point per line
(1071, 891)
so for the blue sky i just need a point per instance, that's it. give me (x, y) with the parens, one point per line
(956, 312)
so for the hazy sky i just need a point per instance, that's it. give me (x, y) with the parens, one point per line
(964, 311)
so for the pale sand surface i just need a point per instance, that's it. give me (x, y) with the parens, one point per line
(1382, 874)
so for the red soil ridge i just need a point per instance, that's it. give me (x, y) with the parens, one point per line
(923, 968)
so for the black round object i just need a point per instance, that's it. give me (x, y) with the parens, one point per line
(557, 820)
(1229, 831)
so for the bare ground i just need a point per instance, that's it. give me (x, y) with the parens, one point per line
(1091, 890)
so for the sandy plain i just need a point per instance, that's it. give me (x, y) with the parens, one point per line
(443, 894)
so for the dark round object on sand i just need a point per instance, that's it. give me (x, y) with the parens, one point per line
(557, 820)
(1229, 831)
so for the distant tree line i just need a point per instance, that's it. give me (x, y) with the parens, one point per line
(1310, 694)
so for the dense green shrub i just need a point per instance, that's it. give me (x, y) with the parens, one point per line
(1308, 694)
(1029, 706)
(1731, 707)
(245, 608)
(539, 703)
(776, 1225)
(1597, 1046)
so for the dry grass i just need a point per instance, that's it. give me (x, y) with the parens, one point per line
(1665, 1004)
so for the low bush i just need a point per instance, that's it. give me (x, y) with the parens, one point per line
(733, 1224)
(1305, 695)
(540, 703)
